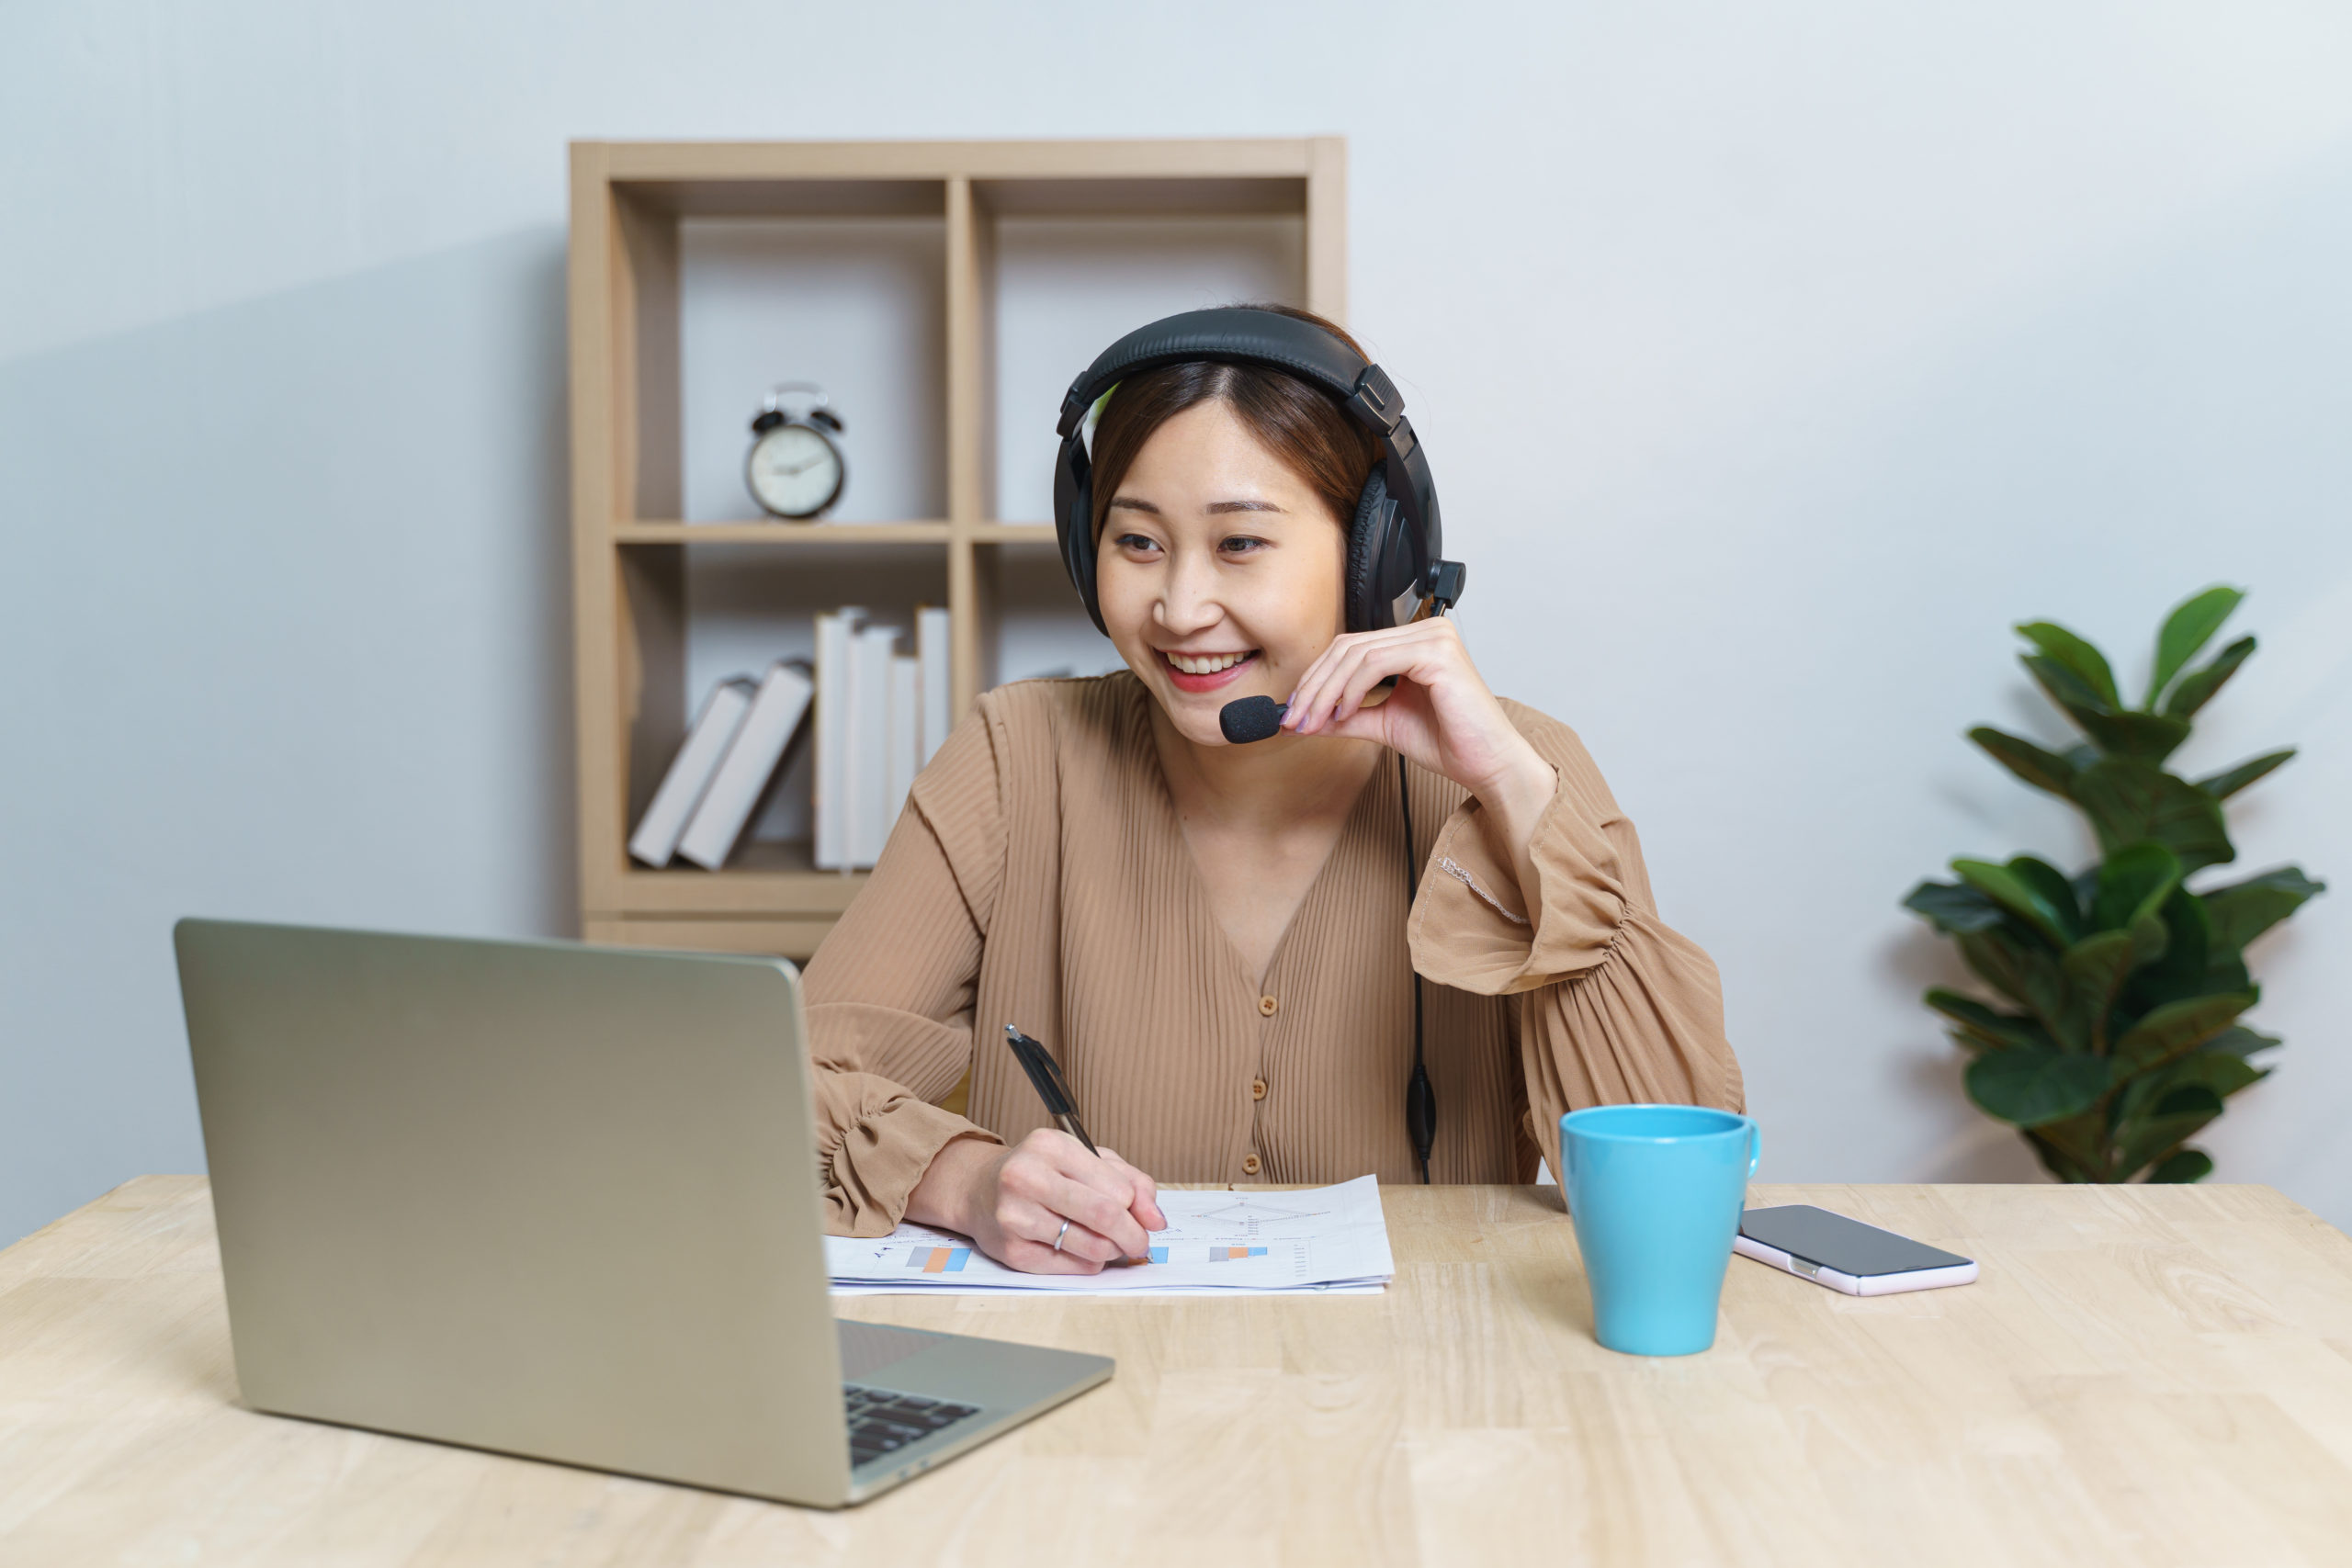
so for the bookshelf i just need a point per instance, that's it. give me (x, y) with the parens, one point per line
(934, 237)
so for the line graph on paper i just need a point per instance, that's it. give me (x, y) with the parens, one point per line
(1249, 1216)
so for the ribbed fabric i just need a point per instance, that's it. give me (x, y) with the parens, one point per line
(1039, 878)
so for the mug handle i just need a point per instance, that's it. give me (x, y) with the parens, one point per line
(1755, 1149)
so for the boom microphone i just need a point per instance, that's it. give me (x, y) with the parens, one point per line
(1250, 718)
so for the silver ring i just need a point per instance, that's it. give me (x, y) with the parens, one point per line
(1059, 1233)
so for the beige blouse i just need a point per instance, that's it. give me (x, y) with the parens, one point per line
(1038, 876)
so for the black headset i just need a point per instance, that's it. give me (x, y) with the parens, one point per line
(1392, 543)
(1394, 574)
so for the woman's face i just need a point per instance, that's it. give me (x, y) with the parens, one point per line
(1218, 572)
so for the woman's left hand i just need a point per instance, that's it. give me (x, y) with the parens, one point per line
(1440, 714)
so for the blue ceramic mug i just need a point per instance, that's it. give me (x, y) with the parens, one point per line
(1656, 1192)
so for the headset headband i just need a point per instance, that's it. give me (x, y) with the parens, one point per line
(1239, 335)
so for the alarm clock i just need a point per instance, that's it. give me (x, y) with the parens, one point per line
(794, 469)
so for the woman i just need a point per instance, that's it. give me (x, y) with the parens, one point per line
(1214, 939)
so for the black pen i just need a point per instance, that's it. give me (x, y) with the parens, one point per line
(1052, 1088)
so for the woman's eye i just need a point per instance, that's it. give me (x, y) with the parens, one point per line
(1136, 541)
(1241, 544)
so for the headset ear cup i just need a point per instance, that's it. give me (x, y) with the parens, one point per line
(1368, 546)
(1074, 523)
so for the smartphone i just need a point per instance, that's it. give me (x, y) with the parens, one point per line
(1845, 1255)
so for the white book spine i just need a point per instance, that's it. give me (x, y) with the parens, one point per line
(835, 633)
(906, 732)
(751, 761)
(690, 772)
(930, 650)
(868, 785)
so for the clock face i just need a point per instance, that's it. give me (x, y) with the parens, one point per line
(793, 471)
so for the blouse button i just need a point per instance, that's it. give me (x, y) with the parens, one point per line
(1266, 1007)
(1257, 1089)
(1250, 1165)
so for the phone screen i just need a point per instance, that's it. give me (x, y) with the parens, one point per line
(1832, 1241)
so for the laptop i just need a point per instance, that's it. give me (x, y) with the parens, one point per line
(557, 1200)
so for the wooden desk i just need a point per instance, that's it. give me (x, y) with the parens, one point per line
(2144, 1376)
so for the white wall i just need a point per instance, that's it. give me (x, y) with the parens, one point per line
(1773, 359)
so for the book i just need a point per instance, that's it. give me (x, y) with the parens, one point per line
(868, 743)
(750, 763)
(931, 651)
(906, 732)
(690, 771)
(836, 630)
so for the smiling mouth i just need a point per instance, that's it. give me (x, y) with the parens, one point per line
(1205, 672)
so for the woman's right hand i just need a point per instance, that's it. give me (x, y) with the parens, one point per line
(1012, 1202)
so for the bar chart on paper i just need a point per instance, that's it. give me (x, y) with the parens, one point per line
(927, 1258)
(1320, 1239)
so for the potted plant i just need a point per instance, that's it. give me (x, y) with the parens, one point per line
(2117, 1035)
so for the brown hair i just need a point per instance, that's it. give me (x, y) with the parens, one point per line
(1298, 422)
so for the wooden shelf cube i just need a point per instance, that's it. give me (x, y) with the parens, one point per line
(633, 529)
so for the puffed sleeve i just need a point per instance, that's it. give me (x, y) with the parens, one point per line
(890, 993)
(1614, 1006)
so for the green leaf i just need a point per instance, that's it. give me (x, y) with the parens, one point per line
(2178, 1028)
(2067, 1149)
(2080, 1140)
(2042, 770)
(2024, 971)
(2189, 1099)
(2095, 969)
(2054, 888)
(2183, 1165)
(2030, 1088)
(2152, 736)
(2220, 1071)
(2130, 801)
(1990, 1029)
(2183, 968)
(2065, 688)
(1953, 908)
(2180, 1115)
(2187, 629)
(2244, 911)
(2226, 974)
(2086, 663)
(2133, 888)
(2196, 689)
(2222, 785)
(2022, 895)
(2133, 883)
(2236, 1040)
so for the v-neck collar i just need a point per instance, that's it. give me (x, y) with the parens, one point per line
(1202, 910)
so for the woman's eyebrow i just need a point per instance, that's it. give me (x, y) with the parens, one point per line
(1221, 507)
(1133, 504)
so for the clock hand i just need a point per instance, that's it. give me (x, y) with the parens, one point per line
(795, 469)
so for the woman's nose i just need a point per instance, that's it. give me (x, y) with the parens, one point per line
(1189, 601)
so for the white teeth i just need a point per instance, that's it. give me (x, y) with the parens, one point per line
(1205, 664)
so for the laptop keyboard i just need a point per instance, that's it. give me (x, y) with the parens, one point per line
(881, 1422)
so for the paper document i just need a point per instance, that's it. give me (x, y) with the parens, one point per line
(1322, 1238)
